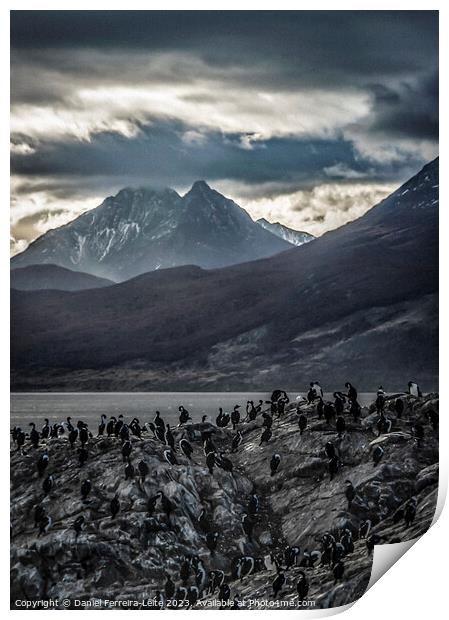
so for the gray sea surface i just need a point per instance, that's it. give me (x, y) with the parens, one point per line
(56, 406)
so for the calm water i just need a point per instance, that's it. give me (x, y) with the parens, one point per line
(56, 406)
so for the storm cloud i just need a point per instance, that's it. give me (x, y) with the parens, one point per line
(267, 106)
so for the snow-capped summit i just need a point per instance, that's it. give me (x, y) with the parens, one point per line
(140, 230)
(297, 237)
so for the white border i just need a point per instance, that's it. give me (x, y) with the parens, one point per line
(416, 585)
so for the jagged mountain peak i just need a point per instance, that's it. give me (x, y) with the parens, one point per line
(201, 186)
(145, 229)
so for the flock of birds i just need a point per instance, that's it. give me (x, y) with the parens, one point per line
(333, 547)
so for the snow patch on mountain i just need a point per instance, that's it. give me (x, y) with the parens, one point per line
(296, 237)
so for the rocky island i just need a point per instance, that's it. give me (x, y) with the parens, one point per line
(159, 526)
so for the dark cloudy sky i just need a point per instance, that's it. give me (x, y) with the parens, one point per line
(304, 117)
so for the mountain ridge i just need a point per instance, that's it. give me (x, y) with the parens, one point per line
(360, 302)
(48, 276)
(296, 237)
(140, 230)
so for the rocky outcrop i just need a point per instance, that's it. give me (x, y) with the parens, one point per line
(128, 557)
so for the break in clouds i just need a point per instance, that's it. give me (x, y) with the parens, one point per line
(308, 118)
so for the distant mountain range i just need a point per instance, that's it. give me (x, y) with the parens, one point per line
(38, 277)
(141, 230)
(359, 303)
(295, 237)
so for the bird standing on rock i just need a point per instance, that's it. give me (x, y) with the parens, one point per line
(158, 421)
(328, 412)
(216, 578)
(350, 492)
(333, 466)
(129, 471)
(203, 521)
(339, 403)
(169, 588)
(183, 415)
(48, 484)
(278, 584)
(302, 423)
(410, 511)
(380, 400)
(143, 470)
(208, 444)
(340, 426)
(210, 461)
(302, 587)
(54, 431)
(34, 435)
(114, 506)
(365, 528)
(433, 419)
(224, 463)
(383, 424)
(418, 433)
(274, 463)
(45, 524)
(236, 441)
(124, 433)
(399, 407)
(152, 501)
(39, 513)
(78, 525)
(42, 463)
(352, 392)
(45, 432)
(102, 425)
(235, 416)
(118, 426)
(267, 420)
(169, 439)
(186, 448)
(212, 541)
(251, 411)
(184, 571)
(180, 595)
(224, 593)
(414, 389)
(160, 433)
(253, 505)
(86, 487)
(330, 449)
(290, 556)
(192, 596)
(170, 457)
(83, 435)
(247, 525)
(167, 505)
(355, 410)
(338, 571)
(73, 436)
(126, 450)
(110, 426)
(136, 428)
(378, 453)
(373, 540)
(266, 436)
